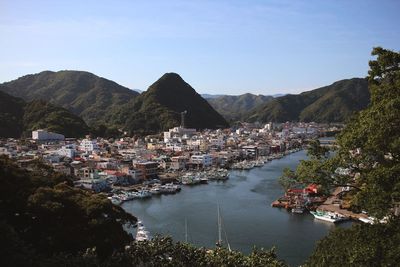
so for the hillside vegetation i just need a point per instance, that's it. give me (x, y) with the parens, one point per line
(19, 118)
(160, 106)
(234, 107)
(91, 97)
(333, 103)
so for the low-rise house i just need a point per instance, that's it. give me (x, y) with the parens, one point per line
(149, 169)
(67, 151)
(96, 185)
(205, 160)
(178, 163)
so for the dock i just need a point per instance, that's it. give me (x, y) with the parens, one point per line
(333, 204)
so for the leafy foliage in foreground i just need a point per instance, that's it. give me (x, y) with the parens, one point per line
(369, 151)
(361, 245)
(369, 146)
(46, 222)
(160, 251)
(43, 215)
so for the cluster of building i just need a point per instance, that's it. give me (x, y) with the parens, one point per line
(100, 164)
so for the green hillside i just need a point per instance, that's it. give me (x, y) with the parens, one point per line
(333, 103)
(19, 118)
(11, 114)
(160, 106)
(83, 93)
(234, 107)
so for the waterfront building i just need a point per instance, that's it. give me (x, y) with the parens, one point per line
(96, 185)
(250, 151)
(205, 160)
(149, 169)
(135, 173)
(178, 163)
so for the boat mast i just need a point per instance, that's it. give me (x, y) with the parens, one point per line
(186, 232)
(219, 242)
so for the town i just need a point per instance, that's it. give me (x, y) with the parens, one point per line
(128, 168)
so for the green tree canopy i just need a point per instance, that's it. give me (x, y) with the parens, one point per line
(369, 146)
(43, 211)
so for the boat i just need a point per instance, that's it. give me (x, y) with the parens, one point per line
(328, 216)
(115, 200)
(369, 220)
(169, 188)
(219, 242)
(155, 190)
(191, 179)
(141, 234)
(144, 194)
(373, 220)
(298, 209)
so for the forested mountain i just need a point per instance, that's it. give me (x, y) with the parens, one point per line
(83, 93)
(159, 108)
(19, 118)
(333, 103)
(233, 107)
(103, 102)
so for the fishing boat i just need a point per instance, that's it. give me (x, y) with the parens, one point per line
(155, 190)
(328, 216)
(298, 209)
(143, 194)
(115, 200)
(141, 234)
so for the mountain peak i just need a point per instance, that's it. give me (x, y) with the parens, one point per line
(171, 75)
(170, 83)
(160, 106)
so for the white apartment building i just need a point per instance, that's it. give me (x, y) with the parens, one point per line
(178, 133)
(206, 160)
(42, 135)
(89, 146)
(67, 151)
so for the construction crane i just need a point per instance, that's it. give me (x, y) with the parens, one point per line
(183, 113)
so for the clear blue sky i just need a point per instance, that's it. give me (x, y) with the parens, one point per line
(220, 47)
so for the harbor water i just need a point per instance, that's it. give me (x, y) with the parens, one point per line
(247, 216)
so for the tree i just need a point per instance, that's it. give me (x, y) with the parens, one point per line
(369, 145)
(316, 151)
(370, 148)
(361, 245)
(44, 212)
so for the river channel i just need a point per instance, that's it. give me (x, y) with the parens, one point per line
(245, 205)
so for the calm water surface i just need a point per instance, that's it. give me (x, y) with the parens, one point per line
(245, 205)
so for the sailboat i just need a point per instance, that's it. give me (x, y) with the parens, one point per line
(219, 242)
(186, 231)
